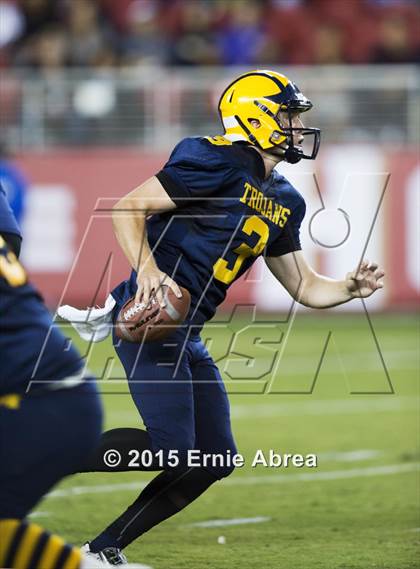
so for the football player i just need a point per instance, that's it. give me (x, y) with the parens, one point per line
(200, 223)
(50, 414)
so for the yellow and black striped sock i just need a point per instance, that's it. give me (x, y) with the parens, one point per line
(24, 545)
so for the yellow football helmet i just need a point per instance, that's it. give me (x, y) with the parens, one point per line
(262, 94)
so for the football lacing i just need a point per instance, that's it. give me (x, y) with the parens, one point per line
(138, 307)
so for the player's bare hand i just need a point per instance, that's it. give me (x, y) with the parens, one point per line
(365, 280)
(150, 281)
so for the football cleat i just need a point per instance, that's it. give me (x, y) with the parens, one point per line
(114, 556)
(94, 557)
(91, 563)
(263, 94)
(108, 557)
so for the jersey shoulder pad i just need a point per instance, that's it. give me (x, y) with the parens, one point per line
(198, 152)
(280, 186)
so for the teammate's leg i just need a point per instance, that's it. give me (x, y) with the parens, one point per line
(43, 437)
(28, 546)
(24, 545)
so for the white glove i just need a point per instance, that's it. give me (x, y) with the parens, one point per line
(92, 324)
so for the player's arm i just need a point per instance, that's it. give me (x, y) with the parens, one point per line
(317, 291)
(129, 221)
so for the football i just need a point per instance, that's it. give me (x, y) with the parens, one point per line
(138, 323)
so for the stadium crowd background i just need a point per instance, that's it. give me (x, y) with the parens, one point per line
(94, 94)
(47, 34)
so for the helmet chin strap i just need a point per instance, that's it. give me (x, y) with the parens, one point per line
(293, 155)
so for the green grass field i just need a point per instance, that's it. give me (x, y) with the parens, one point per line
(358, 509)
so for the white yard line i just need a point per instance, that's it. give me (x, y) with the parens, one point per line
(231, 522)
(353, 405)
(349, 456)
(253, 480)
(36, 515)
(329, 475)
(100, 489)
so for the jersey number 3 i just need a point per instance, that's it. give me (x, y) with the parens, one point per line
(10, 268)
(252, 225)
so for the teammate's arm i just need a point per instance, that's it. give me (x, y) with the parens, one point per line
(317, 291)
(129, 221)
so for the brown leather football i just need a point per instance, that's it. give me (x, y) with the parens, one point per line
(139, 323)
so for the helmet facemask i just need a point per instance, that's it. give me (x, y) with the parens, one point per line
(293, 153)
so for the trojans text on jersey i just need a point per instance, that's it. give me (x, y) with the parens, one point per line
(268, 208)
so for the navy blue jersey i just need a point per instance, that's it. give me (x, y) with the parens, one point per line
(25, 325)
(227, 215)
